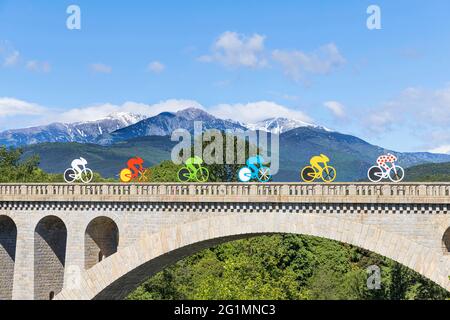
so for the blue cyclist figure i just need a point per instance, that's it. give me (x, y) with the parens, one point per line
(255, 169)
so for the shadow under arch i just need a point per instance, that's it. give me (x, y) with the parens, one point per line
(8, 241)
(50, 241)
(118, 275)
(446, 241)
(101, 240)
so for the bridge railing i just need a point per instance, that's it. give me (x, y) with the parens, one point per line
(230, 192)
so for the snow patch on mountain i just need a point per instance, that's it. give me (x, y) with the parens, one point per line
(281, 125)
(82, 132)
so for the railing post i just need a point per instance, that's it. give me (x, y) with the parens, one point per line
(422, 190)
(351, 190)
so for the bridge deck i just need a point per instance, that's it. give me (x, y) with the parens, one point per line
(414, 193)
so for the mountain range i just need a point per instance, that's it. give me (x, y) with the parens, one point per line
(165, 123)
(82, 132)
(108, 143)
(124, 126)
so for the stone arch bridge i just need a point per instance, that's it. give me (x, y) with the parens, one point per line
(100, 241)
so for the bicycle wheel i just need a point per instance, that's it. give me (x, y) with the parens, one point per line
(202, 174)
(396, 174)
(308, 174)
(375, 174)
(264, 174)
(184, 175)
(245, 174)
(87, 175)
(329, 174)
(69, 175)
(144, 176)
(125, 175)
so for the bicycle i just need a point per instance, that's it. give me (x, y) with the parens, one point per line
(85, 174)
(251, 171)
(326, 173)
(127, 176)
(394, 173)
(135, 171)
(193, 171)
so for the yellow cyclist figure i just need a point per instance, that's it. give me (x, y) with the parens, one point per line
(319, 169)
(319, 159)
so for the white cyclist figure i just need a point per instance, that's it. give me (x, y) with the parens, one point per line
(78, 171)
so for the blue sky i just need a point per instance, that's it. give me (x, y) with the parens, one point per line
(313, 60)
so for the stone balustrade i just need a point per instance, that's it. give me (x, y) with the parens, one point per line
(229, 192)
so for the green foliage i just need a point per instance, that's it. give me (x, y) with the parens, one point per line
(224, 169)
(430, 172)
(227, 172)
(280, 267)
(17, 168)
(285, 267)
(166, 171)
(106, 160)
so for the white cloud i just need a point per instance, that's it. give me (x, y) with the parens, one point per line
(100, 111)
(256, 111)
(38, 66)
(156, 67)
(336, 108)
(100, 68)
(441, 149)
(9, 56)
(11, 59)
(420, 107)
(297, 64)
(14, 107)
(237, 50)
(248, 112)
(419, 114)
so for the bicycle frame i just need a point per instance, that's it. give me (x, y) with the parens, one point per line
(322, 169)
(387, 171)
(193, 169)
(78, 174)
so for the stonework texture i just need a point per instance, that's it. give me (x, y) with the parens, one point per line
(49, 257)
(8, 237)
(101, 240)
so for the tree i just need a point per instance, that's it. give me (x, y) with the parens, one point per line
(14, 167)
(166, 171)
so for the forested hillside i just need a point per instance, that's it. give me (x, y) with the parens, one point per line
(430, 172)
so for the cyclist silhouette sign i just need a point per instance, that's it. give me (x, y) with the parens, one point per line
(255, 170)
(319, 169)
(193, 171)
(135, 171)
(78, 172)
(382, 170)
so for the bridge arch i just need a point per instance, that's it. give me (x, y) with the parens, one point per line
(50, 239)
(118, 275)
(100, 241)
(8, 240)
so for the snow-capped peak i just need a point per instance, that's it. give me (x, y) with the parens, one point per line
(126, 118)
(192, 113)
(279, 125)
